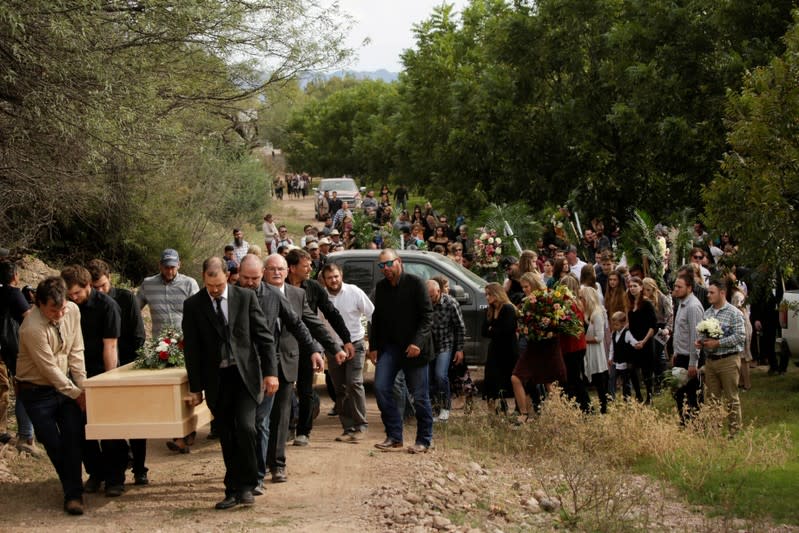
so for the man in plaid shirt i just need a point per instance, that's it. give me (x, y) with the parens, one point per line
(723, 355)
(448, 335)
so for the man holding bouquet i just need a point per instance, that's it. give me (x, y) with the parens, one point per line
(722, 336)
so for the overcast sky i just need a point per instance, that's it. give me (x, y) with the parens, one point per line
(387, 23)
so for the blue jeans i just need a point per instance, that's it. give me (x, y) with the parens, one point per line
(58, 422)
(262, 436)
(439, 378)
(389, 362)
(24, 424)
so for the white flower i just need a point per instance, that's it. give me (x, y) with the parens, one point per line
(491, 240)
(498, 251)
(711, 328)
(483, 236)
(162, 347)
(680, 376)
(497, 241)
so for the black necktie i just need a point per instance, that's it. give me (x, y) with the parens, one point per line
(219, 314)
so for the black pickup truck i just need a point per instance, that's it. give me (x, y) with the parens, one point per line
(360, 268)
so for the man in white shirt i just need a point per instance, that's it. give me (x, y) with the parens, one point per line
(575, 264)
(347, 373)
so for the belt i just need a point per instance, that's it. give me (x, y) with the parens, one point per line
(717, 356)
(24, 385)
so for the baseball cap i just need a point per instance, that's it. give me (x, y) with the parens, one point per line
(313, 246)
(170, 257)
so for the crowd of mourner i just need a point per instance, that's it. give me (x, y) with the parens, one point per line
(267, 318)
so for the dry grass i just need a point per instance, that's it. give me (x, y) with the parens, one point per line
(583, 458)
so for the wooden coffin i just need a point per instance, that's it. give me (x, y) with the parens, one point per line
(128, 403)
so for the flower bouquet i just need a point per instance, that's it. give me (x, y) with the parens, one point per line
(164, 351)
(548, 313)
(710, 328)
(676, 378)
(487, 250)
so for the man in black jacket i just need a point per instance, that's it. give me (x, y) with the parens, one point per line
(131, 338)
(401, 340)
(299, 263)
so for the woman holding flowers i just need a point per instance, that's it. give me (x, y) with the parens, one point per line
(643, 323)
(500, 327)
(527, 366)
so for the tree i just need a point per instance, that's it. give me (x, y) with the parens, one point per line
(756, 194)
(342, 133)
(98, 96)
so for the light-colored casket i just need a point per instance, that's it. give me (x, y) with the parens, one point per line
(127, 403)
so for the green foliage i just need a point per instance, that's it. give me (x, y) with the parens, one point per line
(617, 104)
(682, 238)
(642, 247)
(755, 195)
(107, 105)
(343, 133)
(519, 218)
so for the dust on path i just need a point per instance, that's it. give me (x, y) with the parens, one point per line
(329, 489)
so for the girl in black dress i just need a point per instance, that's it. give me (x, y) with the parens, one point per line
(500, 327)
(643, 324)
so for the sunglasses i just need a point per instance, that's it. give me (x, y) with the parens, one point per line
(388, 264)
(699, 256)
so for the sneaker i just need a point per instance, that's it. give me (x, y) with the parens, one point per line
(28, 446)
(279, 475)
(114, 491)
(418, 448)
(301, 440)
(357, 436)
(389, 445)
(141, 479)
(74, 507)
(92, 485)
(332, 412)
(178, 445)
(443, 415)
(344, 437)
(259, 489)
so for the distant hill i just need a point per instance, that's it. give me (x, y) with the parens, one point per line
(381, 74)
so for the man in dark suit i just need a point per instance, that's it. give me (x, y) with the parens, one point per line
(279, 315)
(288, 362)
(230, 354)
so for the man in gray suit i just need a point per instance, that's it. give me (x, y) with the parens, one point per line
(289, 355)
(279, 315)
(230, 354)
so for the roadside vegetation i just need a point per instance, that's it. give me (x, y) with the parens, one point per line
(590, 462)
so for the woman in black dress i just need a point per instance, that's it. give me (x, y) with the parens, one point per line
(643, 324)
(500, 327)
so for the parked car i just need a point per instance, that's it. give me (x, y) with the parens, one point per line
(360, 268)
(346, 190)
(789, 320)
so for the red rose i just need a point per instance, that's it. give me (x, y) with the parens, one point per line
(167, 340)
(181, 344)
(163, 355)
